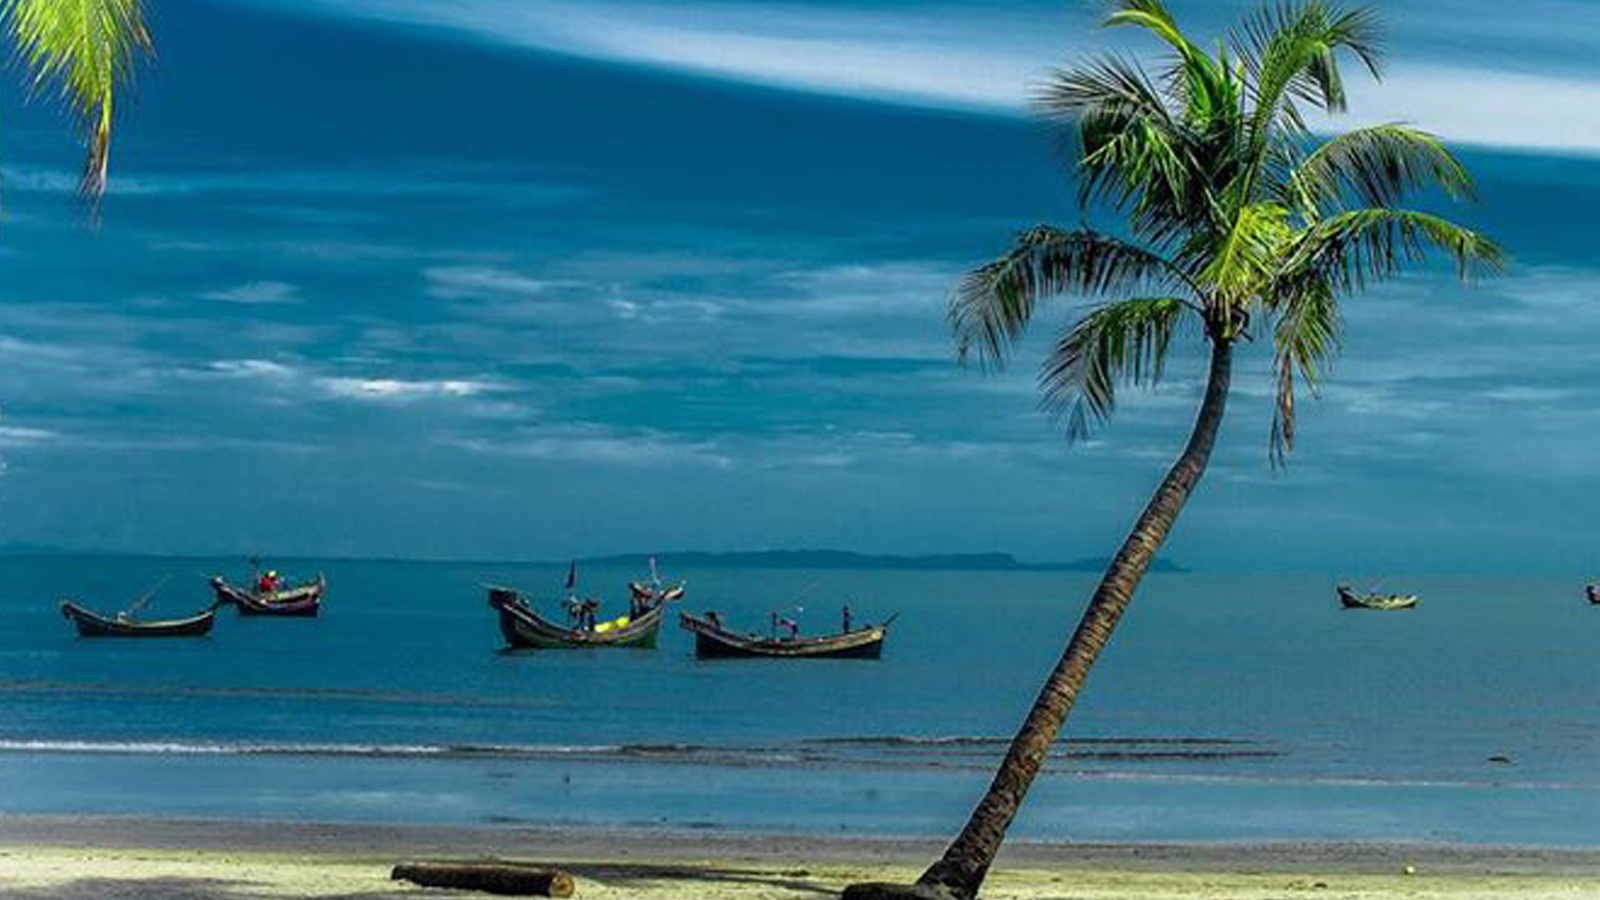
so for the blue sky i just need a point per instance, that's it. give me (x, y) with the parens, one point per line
(495, 278)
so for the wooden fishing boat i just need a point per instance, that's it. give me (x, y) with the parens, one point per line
(92, 624)
(524, 628)
(300, 600)
(1352, 600)
(712, 640)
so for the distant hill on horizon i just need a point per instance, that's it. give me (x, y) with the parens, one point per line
(738, 559)
(846, 559)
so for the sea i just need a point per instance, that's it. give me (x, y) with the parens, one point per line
(1229, 707)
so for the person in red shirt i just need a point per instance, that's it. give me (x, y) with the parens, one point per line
(268, 583)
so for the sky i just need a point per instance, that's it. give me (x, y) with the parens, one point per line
(537, 278)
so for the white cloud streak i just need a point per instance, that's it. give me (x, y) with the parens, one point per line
(398, 390)
(972, 59)
(256, 293)
(372, 389)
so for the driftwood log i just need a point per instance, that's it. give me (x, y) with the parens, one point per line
(491, 877)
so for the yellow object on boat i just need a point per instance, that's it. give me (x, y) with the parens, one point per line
(621, 622)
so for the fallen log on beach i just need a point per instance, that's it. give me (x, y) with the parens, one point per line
(515, 879)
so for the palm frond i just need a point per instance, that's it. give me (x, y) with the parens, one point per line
(1246, 254)
(1152, 15)
(1379, 166)
(1370, 244)
(1291, 51)
(1125, 340)
(1305, 339)
(1134, 154)
(82, 51)
(994, 303)
(1108, 83)
(1200, 84)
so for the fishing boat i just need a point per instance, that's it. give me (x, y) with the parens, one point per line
(713, 640)
(524, 628)
(301, 600)
(93, 624)
(1593, 592)
(1352, 600)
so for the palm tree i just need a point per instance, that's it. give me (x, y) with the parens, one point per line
(1240, 223)
(83, 52)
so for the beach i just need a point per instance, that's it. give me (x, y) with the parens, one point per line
(71, 857)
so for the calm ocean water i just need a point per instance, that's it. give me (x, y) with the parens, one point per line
(1229, 707)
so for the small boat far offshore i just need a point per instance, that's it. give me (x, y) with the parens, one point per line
(712, 640)
(93, 624)
(304, 600)
(1352, 600)
(1592, 591)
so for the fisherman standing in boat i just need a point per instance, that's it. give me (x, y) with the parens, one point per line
(782, 621)
(844, 616)
(267, 584)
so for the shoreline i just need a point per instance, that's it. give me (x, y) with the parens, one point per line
(20, 833)
(56, 857)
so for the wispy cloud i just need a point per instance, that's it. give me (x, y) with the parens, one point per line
(265, 292)
(311, 384)
(1489, 107)
(17, 436)
(250, 368)
(401, 390)
(500, 184)
(458, 282)
(597, 443)
(973, 57)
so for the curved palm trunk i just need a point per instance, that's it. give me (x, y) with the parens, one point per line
(967, 861)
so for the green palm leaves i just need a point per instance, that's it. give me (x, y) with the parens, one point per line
(1237, 216)
(994, 302)
(81, 51)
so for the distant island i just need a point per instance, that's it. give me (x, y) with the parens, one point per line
(750, 559)
(845, 559)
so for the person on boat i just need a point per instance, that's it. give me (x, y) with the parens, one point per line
(267, 583)
(586, 618)
(714, 617)
(844, 616)
(784, 622)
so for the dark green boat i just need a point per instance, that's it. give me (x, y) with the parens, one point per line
(524, 628)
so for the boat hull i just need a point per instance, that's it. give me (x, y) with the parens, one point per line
(523, 628)
(1351, 600)
(713, 642)
(92, 624)
(300, 602)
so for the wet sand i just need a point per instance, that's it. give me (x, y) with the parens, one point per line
(73, 857)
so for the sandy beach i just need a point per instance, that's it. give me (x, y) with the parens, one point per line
(71, 857)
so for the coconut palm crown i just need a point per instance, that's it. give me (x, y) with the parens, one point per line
(1244, 221)
(82, 53)
(1240, 221)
